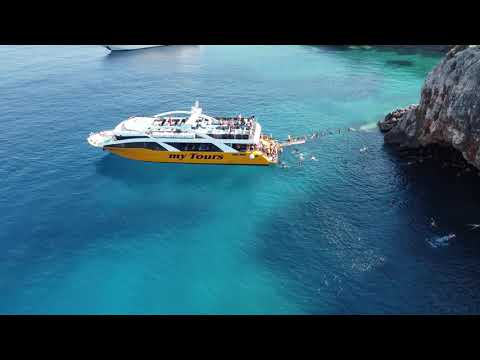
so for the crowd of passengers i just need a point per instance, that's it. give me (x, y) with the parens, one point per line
(267, 146)
(237, 123)
(230, 124)
(244, 147)
(270, 149)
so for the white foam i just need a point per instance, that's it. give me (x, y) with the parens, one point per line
(368, 127)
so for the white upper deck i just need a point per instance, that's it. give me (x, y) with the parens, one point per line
(192, 124)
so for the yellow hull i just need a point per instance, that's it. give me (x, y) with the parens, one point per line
(188, 157)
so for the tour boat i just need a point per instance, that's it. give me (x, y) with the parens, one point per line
(128, 47)
(190, 137)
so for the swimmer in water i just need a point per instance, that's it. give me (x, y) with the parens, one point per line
(313, 158)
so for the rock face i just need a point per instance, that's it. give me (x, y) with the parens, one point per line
(449, 109)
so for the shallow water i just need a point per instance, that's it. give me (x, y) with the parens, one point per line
(87, 232)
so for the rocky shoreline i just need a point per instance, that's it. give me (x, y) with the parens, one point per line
(448, 115)
(392, 118)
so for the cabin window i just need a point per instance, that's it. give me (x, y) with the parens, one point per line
(240, 147)
(223, 136)
(139, 145)
(128, 145)
(195, 147)
(119, 137)
(179, 146)
(154, 146)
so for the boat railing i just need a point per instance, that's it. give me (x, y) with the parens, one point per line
(177, 135)
(231, 131)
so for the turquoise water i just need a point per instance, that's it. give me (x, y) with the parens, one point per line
(86, 232)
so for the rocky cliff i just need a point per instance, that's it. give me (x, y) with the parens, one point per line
(449, 109)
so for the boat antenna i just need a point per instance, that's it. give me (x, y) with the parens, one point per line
(195, 113)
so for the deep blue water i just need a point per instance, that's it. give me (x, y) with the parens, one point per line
(85, 232)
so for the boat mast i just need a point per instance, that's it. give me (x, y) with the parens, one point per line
(195, 114)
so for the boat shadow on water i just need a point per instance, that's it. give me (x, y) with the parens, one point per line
(134, 172)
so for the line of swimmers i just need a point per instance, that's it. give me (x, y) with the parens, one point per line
(318, 134)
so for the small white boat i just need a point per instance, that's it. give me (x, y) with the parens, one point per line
(128, 47)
